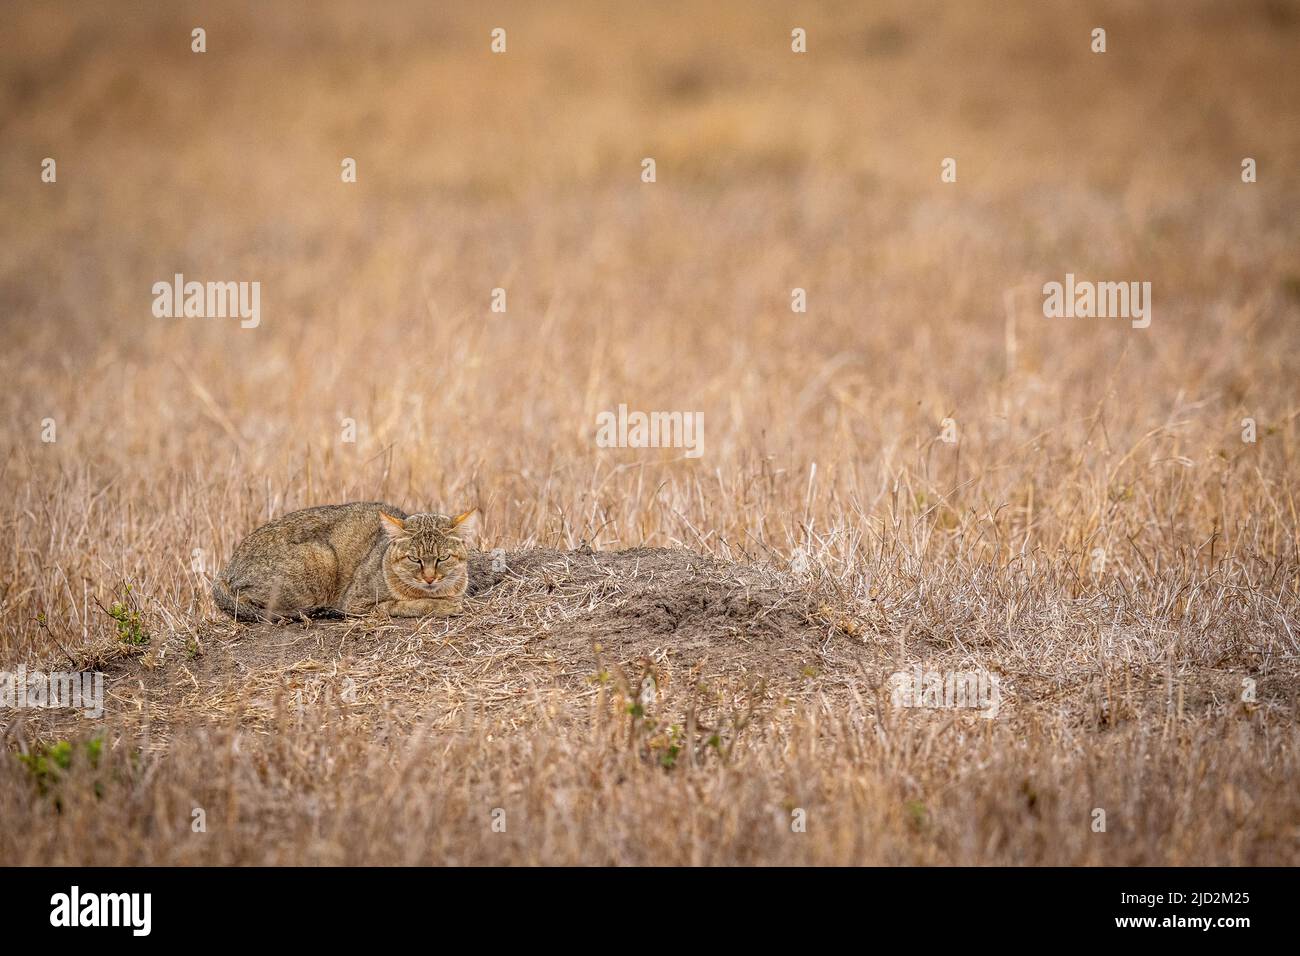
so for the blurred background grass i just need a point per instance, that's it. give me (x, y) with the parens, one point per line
(522, 170)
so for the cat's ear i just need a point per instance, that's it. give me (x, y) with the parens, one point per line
(393, 527)
(465, 527)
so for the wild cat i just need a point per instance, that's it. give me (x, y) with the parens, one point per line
(351, 559)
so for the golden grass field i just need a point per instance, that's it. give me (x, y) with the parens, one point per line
(1099, 536)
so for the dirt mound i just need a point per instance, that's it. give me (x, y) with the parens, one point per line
(534, 620)
(633, 599)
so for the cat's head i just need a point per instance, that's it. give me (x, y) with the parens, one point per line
(428, 553)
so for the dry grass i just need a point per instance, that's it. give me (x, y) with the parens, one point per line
(1123, 687)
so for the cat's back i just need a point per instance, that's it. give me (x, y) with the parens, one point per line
(340, 525)
(301, 560)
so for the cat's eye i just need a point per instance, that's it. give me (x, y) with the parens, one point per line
(413, 559)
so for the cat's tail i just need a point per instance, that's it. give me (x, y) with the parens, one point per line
(224, 600)
(242, 605)
(323, 612)
(239, 606)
